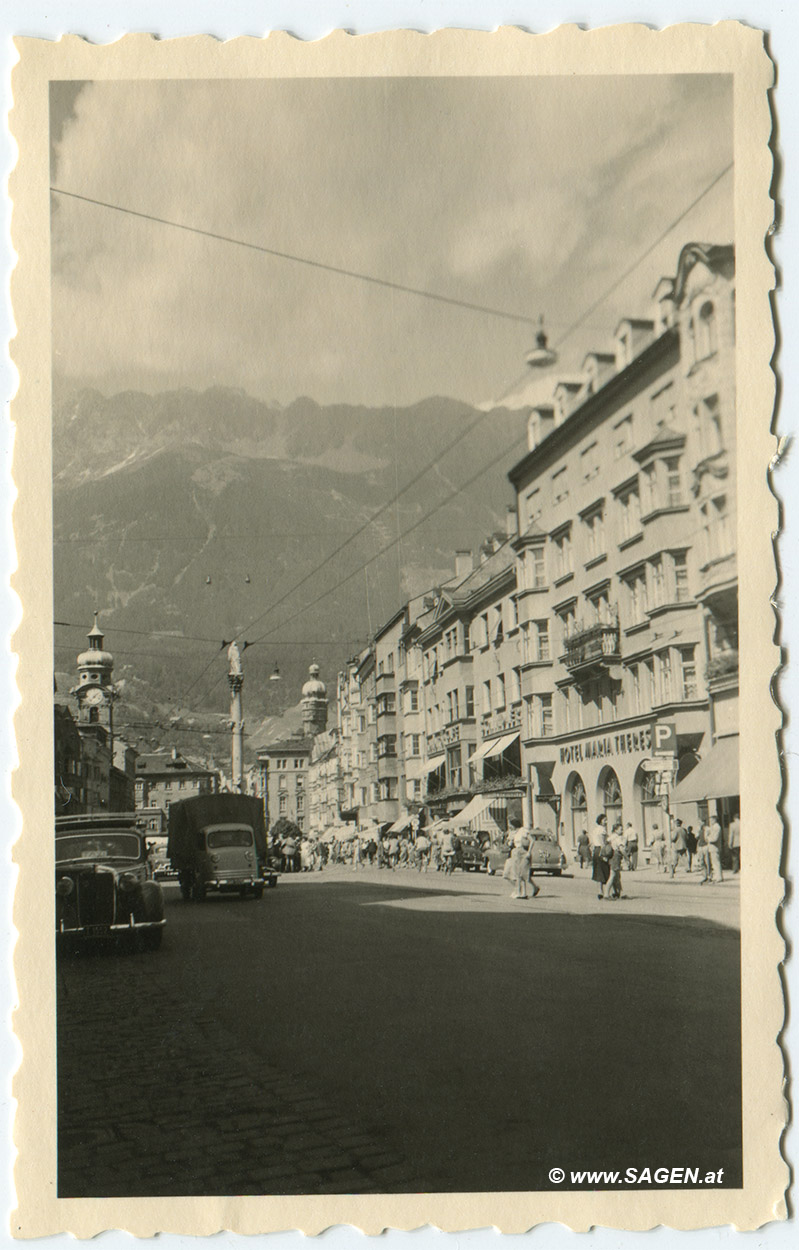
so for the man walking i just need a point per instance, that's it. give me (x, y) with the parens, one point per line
(734, 843)
(714, 851)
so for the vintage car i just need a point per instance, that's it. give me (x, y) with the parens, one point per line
(547, 854)
(472, 854)
(102, 883)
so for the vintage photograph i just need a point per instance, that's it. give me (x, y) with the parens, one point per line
(398, 424)
(396, 634)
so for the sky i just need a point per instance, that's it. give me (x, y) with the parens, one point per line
(531, 196)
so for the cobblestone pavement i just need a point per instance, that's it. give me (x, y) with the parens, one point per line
(154, 1099)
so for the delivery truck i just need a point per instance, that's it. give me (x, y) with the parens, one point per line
(217, 842)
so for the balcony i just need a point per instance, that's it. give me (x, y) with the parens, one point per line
(718, 581)
(721, 673)
(591, 651)
(503, 721)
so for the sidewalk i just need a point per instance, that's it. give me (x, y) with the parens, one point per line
(647, 891)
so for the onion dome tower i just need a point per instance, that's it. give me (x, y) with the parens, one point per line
(314, 704)
(95, 690)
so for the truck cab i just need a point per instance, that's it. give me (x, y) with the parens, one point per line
(217, 843)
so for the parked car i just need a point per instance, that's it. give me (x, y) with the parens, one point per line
(102, 885)
(547, 854)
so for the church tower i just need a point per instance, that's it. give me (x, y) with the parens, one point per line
(95, 691)
(314, 704)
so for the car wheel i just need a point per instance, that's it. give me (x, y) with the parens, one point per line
(153, 939)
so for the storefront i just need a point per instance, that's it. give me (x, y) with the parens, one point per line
(616, 772)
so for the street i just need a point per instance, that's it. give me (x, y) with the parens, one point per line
(395, 1032)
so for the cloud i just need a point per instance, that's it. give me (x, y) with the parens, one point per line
(521, 194)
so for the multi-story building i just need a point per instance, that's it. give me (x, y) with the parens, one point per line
(70, 796)
(284, 784)
(323, 782)
(163, 776)
(627, 596)
(388, 719)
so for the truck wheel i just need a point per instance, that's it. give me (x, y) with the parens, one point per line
(186, 889)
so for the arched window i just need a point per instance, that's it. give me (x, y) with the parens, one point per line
(578, 805)
(646, 785)
(611, 796)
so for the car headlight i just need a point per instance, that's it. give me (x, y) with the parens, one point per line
(65, 887)
(128, 882)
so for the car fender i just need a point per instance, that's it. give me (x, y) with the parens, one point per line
(153, 899)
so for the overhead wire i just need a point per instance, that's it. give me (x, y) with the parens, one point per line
(457, 441)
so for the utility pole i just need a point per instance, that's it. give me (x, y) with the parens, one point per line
(235, 678)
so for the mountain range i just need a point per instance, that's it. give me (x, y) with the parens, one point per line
(188, 518)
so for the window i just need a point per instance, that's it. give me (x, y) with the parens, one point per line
(568, 621)
(681, 591)
(453, 709)
(361, 724)
(662, 406)
(536, 566)
(284, 802)
(540, 640)
(595, 531)
(532, 506)
(705, 336)
(545, 717)
(708, 420)
(386, 704)
(514, 613)
(486, 697)
(560, 485)
(630, 512)
(414, 741)
(298, 763)
(673, 483)
(688, 672)
(637, 602)
(589, 462)
(454, 767)
(649, 489)
(564, 555)
(417, 789)
(658, 583)
(413, 700)
(623, 436)
(635, 689)
(516, 687)
(300, 803)
(387, 746)
(370, 716)
(600, 608)
(716, 526)
(372, 752)
(649, 668)
(500, 692)
(664, 677)
(375, 792)
(469, 711)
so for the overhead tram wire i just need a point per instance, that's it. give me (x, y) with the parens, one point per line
(408, 290)
(299, 260)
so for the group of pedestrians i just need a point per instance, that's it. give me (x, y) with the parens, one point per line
(608, 854)
(674, 847)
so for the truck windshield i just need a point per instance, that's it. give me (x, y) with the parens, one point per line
(98, 846)
(229, 837)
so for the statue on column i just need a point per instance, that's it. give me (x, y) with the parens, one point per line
(234, 660)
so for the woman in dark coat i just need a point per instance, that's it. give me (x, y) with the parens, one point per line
(601, 865)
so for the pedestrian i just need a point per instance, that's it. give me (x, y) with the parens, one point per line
(522, 856)
(734, 842)
(448, 851)
(713, 836)
(702, 857)
(690, 846)
(289, 851)
(659, 848)
(422, 852)
(614, 865)
(356, 854)
(631, 846)
(584, 848)
(599, 865)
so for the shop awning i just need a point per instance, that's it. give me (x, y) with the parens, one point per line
(400, 825)
(438, 761)
(481, 752)
(501, 744)
(715, 776)
(474, 808)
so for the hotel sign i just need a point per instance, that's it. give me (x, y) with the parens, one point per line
(633, 742)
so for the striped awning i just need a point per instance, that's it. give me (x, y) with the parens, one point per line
(437, 761)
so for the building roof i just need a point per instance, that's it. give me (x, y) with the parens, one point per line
(165, 764)
(289, 746)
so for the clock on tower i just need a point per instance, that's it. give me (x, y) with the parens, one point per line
(95, 691)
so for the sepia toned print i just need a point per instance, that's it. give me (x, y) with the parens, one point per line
(412, 855)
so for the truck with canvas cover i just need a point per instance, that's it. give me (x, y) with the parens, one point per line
(218, 842)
